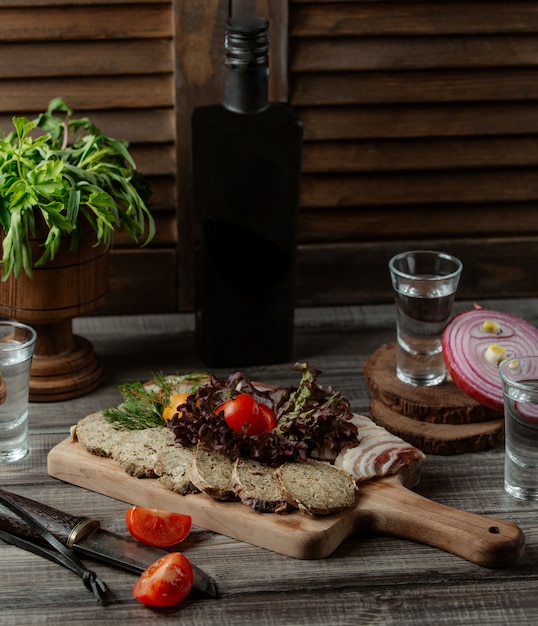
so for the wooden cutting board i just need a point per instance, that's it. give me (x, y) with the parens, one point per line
(384, 506)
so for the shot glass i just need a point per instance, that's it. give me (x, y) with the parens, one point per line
(424, 284)
(520, 390)
(16, 349)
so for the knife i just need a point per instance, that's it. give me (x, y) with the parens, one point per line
(85, 537)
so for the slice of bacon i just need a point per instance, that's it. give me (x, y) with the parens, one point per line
(378, 454)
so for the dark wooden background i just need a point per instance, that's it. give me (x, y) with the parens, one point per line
(421, 122)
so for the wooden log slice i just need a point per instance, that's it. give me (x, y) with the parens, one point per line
(439, 404)
(446, 439)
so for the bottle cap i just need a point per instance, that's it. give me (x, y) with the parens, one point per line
(247, 41)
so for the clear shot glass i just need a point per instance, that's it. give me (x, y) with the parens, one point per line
(16, 350)
(520, 390)
(424, 284)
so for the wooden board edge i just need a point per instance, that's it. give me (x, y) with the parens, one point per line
(295, 535)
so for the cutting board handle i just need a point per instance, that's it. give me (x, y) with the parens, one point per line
(392, 509)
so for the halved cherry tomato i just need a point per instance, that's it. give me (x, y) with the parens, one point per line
(166, 582)
(244, 410)
(175, 401)
(157, 528)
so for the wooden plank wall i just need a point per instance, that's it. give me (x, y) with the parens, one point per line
(112, 60)
(421, 123)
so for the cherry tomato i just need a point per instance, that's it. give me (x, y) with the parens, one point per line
(166, 582)
(268, 415)
(157, 528)
(239, 411)
(175, 401)
(244, 410)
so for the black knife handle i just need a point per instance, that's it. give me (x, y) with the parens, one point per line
(65, 527)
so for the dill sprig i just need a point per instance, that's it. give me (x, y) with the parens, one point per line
(143, 405)
(179, 383)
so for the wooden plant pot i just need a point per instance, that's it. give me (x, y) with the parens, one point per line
(64, 365)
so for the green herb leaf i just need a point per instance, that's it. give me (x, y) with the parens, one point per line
(23, 126)
(69, 172)
(143, 406)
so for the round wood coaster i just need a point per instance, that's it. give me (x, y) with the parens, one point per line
(440, 404)
(439, 438)
(438, 420)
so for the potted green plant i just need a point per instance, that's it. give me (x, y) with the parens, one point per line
(65, 190)
(90, 183)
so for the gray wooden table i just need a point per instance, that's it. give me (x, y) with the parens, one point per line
(367, 580)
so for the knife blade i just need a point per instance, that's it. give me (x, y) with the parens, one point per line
(85, 536)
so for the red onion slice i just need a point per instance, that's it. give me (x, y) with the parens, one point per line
(465, 350)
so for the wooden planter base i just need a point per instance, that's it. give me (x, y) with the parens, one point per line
(64, 365)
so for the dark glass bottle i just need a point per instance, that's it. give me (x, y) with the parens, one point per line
(246, 175)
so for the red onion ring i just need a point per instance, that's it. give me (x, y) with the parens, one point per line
(465, 343)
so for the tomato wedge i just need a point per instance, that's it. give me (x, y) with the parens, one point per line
(157, 528)
(245, 411)
(166, 582)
